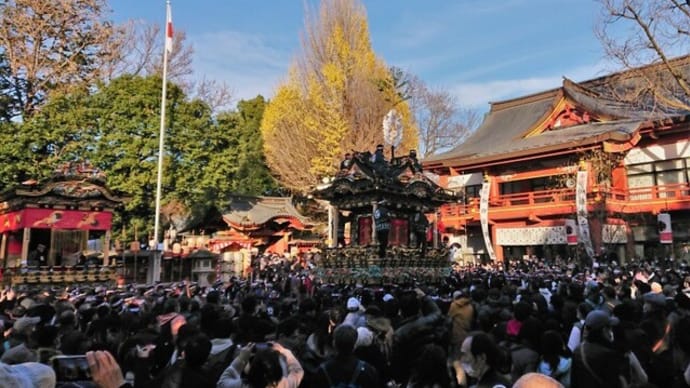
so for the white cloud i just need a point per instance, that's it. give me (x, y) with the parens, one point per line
(479, 94)
(473, 95)
(249, 63)
(416, 28)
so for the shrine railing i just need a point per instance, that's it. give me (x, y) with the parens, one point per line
(566, 196)
(672, 191)
(535, 197)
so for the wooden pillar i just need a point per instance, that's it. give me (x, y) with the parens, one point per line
(3, 250)
(374, 208)
(336, 225)
(3, 247)
(354, 229)
(50, 254)
(629, 245)
(106, 248)
(332, 226)
(434, 232)
(25, 246)
(498, 249)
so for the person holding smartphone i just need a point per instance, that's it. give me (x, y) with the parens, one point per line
(260, 365)
(105, 371)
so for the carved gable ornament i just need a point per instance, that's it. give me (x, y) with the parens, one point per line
(77, 189)
(564, 114)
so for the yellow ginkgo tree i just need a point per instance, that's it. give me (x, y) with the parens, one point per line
(333, 99)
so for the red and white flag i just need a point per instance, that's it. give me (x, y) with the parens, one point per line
(168, 31)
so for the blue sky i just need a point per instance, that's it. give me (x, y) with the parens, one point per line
(480, 50)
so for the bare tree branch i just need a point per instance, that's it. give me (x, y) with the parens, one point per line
(442, 124)
(657, 31)
(218, 95)
(51, 46)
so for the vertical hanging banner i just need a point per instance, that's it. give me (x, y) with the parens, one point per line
(664, 227)
(581, 208)
(484, 218)
(571, 231)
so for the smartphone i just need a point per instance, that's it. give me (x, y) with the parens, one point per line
(262, 346)
(71, 368)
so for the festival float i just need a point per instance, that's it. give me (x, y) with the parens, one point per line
(354, 196)
(58, 231)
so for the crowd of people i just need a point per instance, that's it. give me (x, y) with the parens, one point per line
(522, 324)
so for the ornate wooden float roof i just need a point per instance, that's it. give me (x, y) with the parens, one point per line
(71, 187)
(402, 184)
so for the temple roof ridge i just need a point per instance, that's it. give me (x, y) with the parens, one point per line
(257, 210)
(518, 119)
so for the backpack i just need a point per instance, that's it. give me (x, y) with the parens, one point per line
(359, 368)
(217, 363)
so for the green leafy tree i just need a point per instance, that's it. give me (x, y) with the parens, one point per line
(125, 145)
(60, 132)
(15, 155)
(116, 127)
(253, 176)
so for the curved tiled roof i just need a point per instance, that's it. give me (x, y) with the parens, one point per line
(605, 104)
(251, 211)
(580, 134)
(506, 126)
(500, 127)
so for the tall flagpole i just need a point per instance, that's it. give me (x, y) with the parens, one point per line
(161, 143)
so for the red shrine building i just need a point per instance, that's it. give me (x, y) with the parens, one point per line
(266, 223)
(253, 225)
(67, 217)
(575, 171)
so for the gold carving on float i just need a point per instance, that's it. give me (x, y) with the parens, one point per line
(89, 219)
(77, 190)
(52, 219)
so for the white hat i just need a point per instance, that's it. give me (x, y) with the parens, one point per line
(388, 297)
(353, 303)
(27, 375)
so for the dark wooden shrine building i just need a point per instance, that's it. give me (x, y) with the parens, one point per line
(354, 193)
(354, 196)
